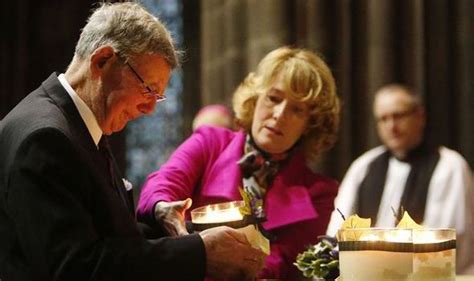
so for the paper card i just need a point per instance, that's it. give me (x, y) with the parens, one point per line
(256, 238)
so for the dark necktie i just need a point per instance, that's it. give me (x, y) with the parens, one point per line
(104, 148)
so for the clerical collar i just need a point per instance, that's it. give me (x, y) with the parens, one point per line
(422, 149)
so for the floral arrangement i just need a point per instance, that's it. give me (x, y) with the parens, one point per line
(320, 260)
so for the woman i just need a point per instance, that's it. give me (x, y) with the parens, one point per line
(289, 113)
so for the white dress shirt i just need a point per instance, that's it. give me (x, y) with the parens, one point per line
(397, 175)
(86, 113)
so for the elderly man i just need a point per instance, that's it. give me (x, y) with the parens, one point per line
(434, 184)
(64, 211)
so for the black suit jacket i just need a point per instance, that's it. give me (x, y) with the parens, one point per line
(60, 216)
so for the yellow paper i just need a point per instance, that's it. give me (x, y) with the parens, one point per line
(256, 238)
(408, 222)
(355, 221)
(245, 210)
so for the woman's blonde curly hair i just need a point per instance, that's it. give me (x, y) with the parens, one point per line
(308, 79)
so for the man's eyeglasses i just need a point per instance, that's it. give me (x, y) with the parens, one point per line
(150, 92)
(396, 116)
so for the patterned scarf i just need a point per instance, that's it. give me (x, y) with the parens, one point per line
(259, 169)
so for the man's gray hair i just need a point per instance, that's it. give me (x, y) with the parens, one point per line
(129, 29)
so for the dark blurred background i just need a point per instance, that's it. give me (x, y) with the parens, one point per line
(428, 44)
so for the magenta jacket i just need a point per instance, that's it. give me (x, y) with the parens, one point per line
(298, 204)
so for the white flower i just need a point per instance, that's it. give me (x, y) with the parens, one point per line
(128, 185)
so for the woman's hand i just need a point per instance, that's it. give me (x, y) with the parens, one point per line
(171, 216)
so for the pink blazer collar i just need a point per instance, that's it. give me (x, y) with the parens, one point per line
(288, 200)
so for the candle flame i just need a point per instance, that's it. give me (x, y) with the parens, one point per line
(216, 214)
(401, 236)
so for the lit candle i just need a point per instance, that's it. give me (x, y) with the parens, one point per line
(434, 254)
(397, 254)
(217, 213)
(229, 214)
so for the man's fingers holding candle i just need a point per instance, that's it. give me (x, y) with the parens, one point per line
(239, 236)
(171, 214)
(229, 255)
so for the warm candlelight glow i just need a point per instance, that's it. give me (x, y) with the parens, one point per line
(396, 235)
(425, 237)
(229, 214)
(373, 234)
(397, 254)
(217, 213)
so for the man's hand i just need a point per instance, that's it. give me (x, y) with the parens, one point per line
(171, 216)
(229, 254)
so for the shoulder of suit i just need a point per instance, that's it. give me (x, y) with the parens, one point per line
(32, 115)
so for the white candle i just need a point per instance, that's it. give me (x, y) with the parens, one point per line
(397, 254)
(434, 265)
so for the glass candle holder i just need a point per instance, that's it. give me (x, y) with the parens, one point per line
(228, 214)
(397, 254)
(214, 215)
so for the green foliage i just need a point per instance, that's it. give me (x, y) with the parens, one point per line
(320, 260)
